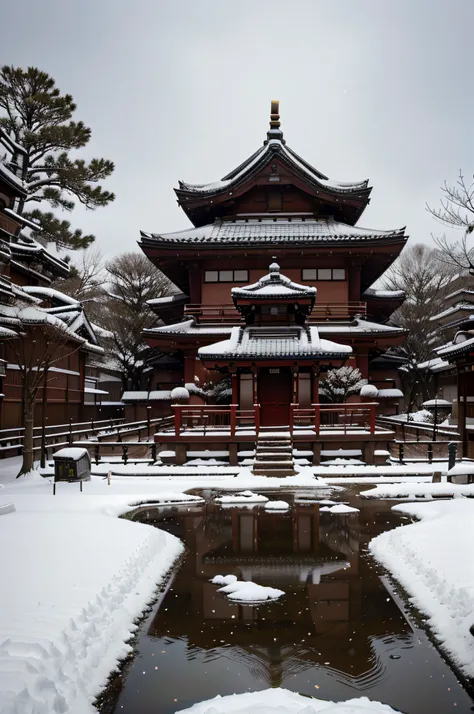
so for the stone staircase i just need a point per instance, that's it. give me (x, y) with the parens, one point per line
(274, 453)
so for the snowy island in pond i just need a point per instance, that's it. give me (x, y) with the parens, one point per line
(339, 508)
(242, 497)
(245, 590)
(282, 701)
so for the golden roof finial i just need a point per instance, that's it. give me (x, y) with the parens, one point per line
(275, 114)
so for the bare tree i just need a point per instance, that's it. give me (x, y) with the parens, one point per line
(426, 279)
(86, 277)
(456, 211)
(132, 281)
(41, 342)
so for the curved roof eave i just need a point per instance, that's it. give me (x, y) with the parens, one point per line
(259, 160)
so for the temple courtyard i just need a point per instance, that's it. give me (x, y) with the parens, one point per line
(356, 535)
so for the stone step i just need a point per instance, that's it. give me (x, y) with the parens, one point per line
(273, 465)
(271, 452)
(274, 457)
(283, 441)
(274, 473)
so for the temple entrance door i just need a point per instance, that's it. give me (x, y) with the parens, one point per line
(275, 394)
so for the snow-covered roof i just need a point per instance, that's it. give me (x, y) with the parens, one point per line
(358, 325)
(463, 342)
(274, 343)
(437, 364)
(265, 154)
(167, 300)
(188, 327)
(49, 293)
(155, 395)
(22, 219)
(272, 229)
(384, 294)
(92, 390)
(24, 246)
(72, 452)
(460, 307)
(276, 286)
(12, 180)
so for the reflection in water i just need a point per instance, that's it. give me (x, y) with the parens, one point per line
(335, 634)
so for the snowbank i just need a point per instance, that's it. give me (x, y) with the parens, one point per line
(433, 561)
(282, 701)
(419, 490)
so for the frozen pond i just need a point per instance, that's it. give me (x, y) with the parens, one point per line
(337, 633)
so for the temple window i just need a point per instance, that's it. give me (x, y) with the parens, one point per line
(323, 274)
(226, 276)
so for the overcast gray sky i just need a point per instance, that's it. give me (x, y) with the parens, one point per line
(181, 90)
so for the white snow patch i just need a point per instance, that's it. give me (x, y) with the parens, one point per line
(242, 497)
(277, 506)
(247, 591)
(339, 508)
(224, 579)
(282, 701)
(433, 562)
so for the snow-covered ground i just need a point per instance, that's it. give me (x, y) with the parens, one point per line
(432, 559)
(282, 701)
(419, 490)
(75, 577)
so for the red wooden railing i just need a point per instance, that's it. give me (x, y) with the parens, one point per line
(212, 418)
(350, 417)
(346, 418)
(227, 314)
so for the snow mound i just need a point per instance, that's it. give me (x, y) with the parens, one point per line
(179, 393)
(340, 508)
(224, 579)
(242, 497)
(282, 701)
(247, 591)
(277, 506)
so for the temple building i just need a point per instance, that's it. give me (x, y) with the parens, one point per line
(276, 209)
(29, 303)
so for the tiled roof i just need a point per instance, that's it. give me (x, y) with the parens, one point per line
(273, 230)
(274, 343)
(276, 286)
(264, 155)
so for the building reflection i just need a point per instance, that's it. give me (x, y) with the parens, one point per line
(334, 607)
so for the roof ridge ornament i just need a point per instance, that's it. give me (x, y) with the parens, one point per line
(275, 131)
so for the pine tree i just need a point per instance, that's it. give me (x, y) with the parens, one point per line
(341, 383)
(38, 131)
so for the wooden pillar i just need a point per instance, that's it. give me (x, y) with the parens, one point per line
(462, 409)
(235, 387)
(295, 370)
(255, 385)
(233, 457)
(315, 385)
(189, 368)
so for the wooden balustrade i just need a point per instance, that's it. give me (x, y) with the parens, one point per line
(347, 418)
(208, 418)
(350, 417)
(322, 312)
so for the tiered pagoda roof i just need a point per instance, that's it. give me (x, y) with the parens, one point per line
(274, 163)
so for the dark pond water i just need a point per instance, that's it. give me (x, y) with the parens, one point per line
(337, 633)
